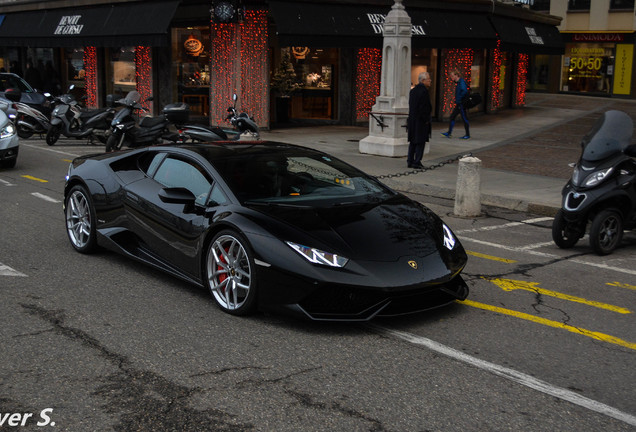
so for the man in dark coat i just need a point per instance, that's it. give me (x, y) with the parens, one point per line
(419, 120)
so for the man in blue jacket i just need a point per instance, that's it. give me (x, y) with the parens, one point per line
(461, 91)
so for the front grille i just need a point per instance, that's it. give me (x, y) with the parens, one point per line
(574, 200)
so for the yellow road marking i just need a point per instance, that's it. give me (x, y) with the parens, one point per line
(591, 334)
(490, 257)
(67, 160)
(509, 285)
(35, 178)
(621, 285)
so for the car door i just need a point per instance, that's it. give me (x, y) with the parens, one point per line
(172, 232)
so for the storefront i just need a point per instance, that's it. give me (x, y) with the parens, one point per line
(102, 49)
(598, 63)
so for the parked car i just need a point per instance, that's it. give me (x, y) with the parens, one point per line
(9, 141)
(265, 225)
(30, 96)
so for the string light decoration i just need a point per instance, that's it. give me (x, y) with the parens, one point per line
(367, 81)
(143, 74)
(90, 76)
(462, 60)
(238, 66)
(521, 79)
(495, 78)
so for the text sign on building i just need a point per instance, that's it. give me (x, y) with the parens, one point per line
(69, 25)
(623, 69)
(377, 24)
(534, 37)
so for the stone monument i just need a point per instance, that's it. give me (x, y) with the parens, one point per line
(387, 122)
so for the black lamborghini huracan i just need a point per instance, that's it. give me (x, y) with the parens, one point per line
(267, 225)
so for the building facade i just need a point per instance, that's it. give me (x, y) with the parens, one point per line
(185, 51)
(599, 41)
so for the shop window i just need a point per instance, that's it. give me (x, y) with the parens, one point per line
(588, 68)
(578, 5)
(122, 70)
(622, 5)
(316, 70)
(538, 72)
(425, 60)
(541, 5)
(74, 65)
(191, 66)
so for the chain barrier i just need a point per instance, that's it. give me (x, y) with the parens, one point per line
(421, 170)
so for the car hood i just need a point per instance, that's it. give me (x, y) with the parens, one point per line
(384, 231)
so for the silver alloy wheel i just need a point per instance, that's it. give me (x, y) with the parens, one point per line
(78, 219)
(229, 272)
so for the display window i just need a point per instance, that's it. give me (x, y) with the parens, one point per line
(316, 70)
(538, 73)
(588, 67)
(425, 60)
(74, 66)
(191, 67)
(122, 71)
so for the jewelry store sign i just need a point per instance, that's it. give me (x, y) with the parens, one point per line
(69, 25)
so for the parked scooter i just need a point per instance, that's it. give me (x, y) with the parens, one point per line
(202, 133)
(71, 120)
(30, 120)
(602, 189)
(126, 132)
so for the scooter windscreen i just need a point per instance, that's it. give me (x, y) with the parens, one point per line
(610, 135)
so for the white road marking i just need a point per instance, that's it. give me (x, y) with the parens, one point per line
(510, 374)
(6, 183)
(8, 271)
(45, 197)
(535, 246)
(502, 226)
(50, 149)
(548, 255)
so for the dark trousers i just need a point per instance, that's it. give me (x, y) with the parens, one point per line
(459, 109)
(415, 153)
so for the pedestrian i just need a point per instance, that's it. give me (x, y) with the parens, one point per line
(418, 123)
(461, 91)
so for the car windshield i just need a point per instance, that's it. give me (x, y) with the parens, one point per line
(610, 135)
(13, 81)
(296, 177)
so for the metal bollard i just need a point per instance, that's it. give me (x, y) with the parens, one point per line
(468, 190)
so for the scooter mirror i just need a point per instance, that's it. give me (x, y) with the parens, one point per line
(235, 97)
(71, 87)
(110, 100)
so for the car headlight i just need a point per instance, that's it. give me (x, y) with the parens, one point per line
(7, 131)
(317, 256)
(597, 177)
(449, 238)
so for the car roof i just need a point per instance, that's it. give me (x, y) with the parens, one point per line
(232, 149)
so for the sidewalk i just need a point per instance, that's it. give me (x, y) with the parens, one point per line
(525, 152)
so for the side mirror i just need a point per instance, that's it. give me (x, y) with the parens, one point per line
(13, 94)
(177, 195)
(110, 100)
(235, 97)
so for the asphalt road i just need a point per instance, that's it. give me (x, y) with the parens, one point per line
(546, 340)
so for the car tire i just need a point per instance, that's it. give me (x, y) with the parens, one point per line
(53, 135)
(606, 231)
(231, 273)
(81, 220)
(9, 163)
(564, 235)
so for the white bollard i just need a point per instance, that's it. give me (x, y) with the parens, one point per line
(468, 193)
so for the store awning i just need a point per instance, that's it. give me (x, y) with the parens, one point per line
(333, 25)
(528, 37)
(118, 24)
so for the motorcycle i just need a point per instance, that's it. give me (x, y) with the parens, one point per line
(201, 133)
(31, 120)
(125, 131)
(71, 120)
(602, 189)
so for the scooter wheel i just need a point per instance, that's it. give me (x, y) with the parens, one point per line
(24, 133)
(111, 143)
(606, 231)
(564, 235)
(52, 136)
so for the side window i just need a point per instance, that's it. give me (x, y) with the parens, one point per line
(179, 173)
(149, 162)
(217, 196)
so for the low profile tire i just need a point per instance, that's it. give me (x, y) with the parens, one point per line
(230, 271)
(564, 235)
(606, 231)
(52, 135)
(8, 163)
(80, 220)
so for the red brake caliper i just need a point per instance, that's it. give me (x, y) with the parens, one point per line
(223, 276)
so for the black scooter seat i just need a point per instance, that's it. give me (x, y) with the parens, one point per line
(148, 122)
(92, 112)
